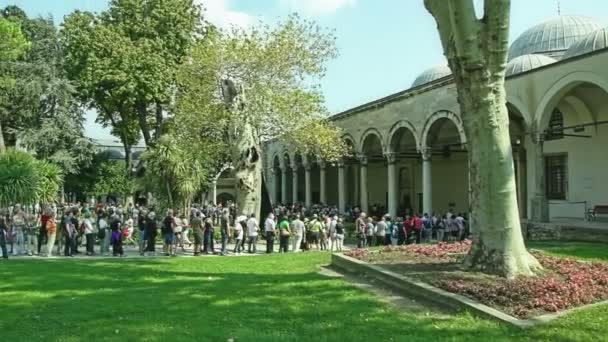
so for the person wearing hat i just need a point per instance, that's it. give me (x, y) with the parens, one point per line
(150, 232)
(89, 233)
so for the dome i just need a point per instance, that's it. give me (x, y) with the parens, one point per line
(596, 40)
(527, 62)
(431, 75)
(553, 36)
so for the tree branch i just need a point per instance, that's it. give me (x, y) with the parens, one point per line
(439, 10)
(467, 29)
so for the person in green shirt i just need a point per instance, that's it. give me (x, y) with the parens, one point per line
(314, 227)
(284, 235)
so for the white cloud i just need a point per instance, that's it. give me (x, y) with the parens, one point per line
(218, 12)
(316, 7)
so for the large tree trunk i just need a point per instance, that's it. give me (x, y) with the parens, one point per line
(128, 157)
(159, 120)
(246, 156)
(476, 52)
(142, 117)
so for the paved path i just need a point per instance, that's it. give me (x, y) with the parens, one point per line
(133, 252)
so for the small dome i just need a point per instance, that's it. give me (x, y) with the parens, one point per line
(527, 62)
(553, 36)
(111, 154)
(431, 75)
(596, 40)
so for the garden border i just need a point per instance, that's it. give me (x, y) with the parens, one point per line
(442, 298)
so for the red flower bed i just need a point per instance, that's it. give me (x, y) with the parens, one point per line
(564, 284)
(570, 283)
(440, 252)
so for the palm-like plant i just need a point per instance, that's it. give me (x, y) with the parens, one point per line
(18, 178)
(50, 181)
(26, 180)
(173, 171)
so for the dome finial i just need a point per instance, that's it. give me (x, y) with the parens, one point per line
(559, 8)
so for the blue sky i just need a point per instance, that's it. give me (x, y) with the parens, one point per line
(383, 44)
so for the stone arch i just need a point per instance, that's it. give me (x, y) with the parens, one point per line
(518, 104)
(559, 89)
(369, 132)
(398, 125)
(348, 137)
(442, 114)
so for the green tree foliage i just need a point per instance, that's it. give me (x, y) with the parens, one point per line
(124, 60)
(13, 44)
(26, 180)
(111, 178)
(41, 110)
(276, 71)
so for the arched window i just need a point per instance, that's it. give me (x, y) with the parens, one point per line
(556, 125)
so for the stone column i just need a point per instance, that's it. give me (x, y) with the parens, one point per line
(307, 186)
(341, 188)
(323, 183)
(540, 205)
(284, 185)
(294, 184)
(391, 159)
(363, 175)
(427, 182)
(275, 185)
(214, 191)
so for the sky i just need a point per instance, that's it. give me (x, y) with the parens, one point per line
(383, 44)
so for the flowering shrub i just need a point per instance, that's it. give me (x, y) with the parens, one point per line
(358, 253)
(570, 283)
(440, 252)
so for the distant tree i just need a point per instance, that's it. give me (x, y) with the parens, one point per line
(124, 61)
(476, 50)
(13, 44)
(260, 84)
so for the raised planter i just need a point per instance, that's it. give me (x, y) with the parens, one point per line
(423, 291)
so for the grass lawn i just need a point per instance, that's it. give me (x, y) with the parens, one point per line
(266, 298)
(579, 250)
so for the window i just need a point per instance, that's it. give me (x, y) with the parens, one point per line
(556, 172)
(556, 125)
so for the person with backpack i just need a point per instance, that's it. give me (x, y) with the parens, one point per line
(314, 226)
(69, 233)
(168, 230)
(427, 228)
(381, 229)
(339, 234)
(370, 231)
(116, 237)
(225, 230)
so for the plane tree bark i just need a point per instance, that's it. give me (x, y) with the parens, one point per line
(476, 50)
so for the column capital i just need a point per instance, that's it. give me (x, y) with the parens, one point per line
(426, 153)
(294, 167)
(363, 160)
(391, 157)
(307, 167)
(322, 163)
(340, 163)
(538, 137)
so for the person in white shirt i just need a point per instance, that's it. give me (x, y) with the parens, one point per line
(104, 243)
(89, 233)
(298, 229)
(269, 229)
(238, 233)
(332, 232)
(252, 234)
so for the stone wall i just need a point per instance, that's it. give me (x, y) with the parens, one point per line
(534, 231)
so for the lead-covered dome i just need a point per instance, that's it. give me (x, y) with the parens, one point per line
(527, 62)
(431, 75)
(595, 40)
(553, 36)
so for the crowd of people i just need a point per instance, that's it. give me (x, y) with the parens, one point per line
(104, 229)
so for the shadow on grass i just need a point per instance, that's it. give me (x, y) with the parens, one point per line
(263, 299)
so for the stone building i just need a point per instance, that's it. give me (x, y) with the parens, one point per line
(410, 150)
